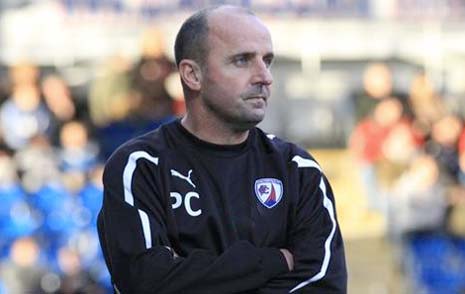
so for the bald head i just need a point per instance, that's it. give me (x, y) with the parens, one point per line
(191, 40)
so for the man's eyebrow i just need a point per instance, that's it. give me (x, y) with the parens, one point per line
(250, 54)
(247, 54)
(269, 55)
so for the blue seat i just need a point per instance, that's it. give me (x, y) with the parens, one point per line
(438, 263)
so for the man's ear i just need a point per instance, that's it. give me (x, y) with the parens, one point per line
(190, 74)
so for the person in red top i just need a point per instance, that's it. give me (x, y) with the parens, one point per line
(367, 142)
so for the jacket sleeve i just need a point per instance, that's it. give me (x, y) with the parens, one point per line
(314, 239)
(135, 228)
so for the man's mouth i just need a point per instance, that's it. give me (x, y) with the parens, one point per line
(257, 97)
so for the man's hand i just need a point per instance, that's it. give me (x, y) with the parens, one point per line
(289, 258)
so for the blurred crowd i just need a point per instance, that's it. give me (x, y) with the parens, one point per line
(52, 150)
(410, 150)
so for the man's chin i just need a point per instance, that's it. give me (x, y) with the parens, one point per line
(258, 116)
(249, 123)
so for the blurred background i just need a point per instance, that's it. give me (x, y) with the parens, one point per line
(375, 89)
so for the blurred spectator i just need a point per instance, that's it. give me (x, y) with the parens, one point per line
(78, 155)
(16, 218)
(418, 200)
(109, 96)
(58, 98)
(444, 144)
(377, 85)
(59, 101)
(150, 104)
(73, 181)
(23, 273)
(426, 105)
(401, 144)
(77, 152)
(148, 79)
(74, 278)
(367, 141)
(87, 246)
(23, 74)
(23, 115)
(33, 160)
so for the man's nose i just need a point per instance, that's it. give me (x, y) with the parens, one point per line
(262, 74)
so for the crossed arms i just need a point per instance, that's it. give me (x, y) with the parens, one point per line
(313, 261)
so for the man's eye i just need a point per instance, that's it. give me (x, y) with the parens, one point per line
(241, 60)
(268, 62)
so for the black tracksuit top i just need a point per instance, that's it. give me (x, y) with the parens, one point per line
(225, 210)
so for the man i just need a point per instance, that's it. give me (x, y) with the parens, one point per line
(210, 203)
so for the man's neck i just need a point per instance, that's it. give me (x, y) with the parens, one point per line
(213, 131)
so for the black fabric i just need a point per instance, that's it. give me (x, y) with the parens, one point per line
(201, 201)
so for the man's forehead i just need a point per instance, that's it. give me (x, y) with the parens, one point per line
(236, 24)
(231, 17)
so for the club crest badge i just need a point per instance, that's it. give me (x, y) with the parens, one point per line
(269, 191)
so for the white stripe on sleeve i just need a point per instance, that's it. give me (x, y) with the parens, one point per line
(146, 228)
(303, 163)
(128, 196)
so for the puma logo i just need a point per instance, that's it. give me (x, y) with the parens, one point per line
(175, 173)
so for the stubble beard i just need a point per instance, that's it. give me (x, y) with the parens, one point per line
(243, 116)
(240, 119)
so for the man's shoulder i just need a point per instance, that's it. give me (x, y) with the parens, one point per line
(281, 145)
(152, 143)
(291, 151)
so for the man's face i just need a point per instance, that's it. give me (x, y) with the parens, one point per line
(237, 80)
